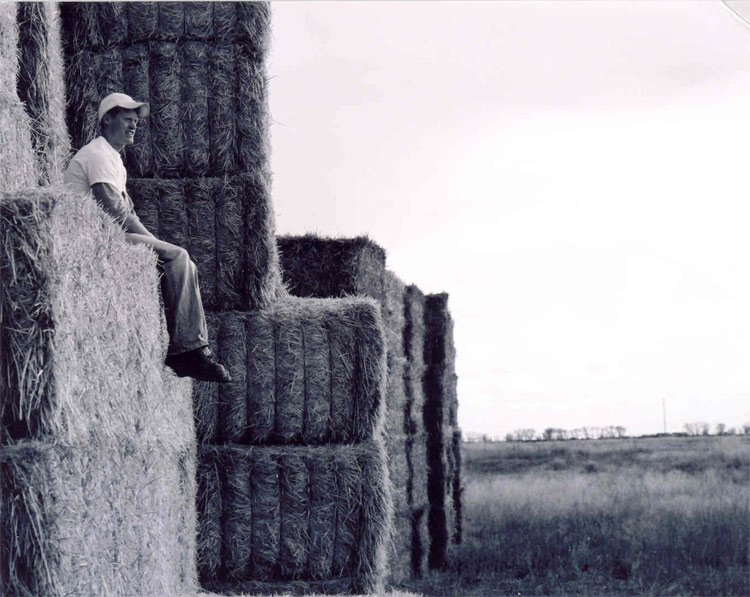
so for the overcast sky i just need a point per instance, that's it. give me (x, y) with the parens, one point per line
(573, 174)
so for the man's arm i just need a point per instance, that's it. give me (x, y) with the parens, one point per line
(113, 203)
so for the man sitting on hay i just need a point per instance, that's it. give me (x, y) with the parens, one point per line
(98, 168)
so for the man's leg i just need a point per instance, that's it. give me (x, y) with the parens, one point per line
(188, 354)
(186, 321)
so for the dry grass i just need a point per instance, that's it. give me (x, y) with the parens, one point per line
(649, 516)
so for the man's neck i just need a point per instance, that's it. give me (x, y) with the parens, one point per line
(117, 147)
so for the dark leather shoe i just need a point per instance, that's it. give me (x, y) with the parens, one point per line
(199, 364)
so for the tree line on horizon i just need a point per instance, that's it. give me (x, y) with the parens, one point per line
(692, 429)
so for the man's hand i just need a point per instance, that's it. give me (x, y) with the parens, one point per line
(112, 202)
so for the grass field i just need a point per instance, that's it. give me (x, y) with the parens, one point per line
(661, 516)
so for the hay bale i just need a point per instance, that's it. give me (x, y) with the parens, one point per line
(225, 225)
(306, 372)
(83, 332)
(414, 368)
(98, 445)
(299, 499)
(456, 488)
(394, 322)
(401, 545)
(419, 540)
(440, 420)
(314, 266)
(416, 490)
(103, 518)
(18, 168)
(41, 87)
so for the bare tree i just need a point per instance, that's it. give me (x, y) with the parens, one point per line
(620, 430)
(697, 428)
(721, 429)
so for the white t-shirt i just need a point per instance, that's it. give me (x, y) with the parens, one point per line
(97, 162)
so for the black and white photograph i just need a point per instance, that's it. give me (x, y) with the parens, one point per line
(375, 297)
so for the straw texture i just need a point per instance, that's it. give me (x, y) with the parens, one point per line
(226, 224)
(314, 266)
(305, 371)
(97, 464)
(114, 518)
(41, 86)
(18, 167)
(304, 513)
(82, 330)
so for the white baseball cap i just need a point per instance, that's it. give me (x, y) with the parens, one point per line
(120, 100)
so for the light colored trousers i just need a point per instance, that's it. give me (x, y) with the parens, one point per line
(183, 308)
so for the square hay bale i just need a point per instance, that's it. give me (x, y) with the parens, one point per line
(306, 513)
(18, 168)
(398, 470)
(440, 420)
(396, 403)
(457, 488)
(414, 368)
(420, 540)
(226, 224)
(393, 309)
(394, 321)
(116, 517)
(306, 371)
(41, 86)
(314, 266)
(416, 489)
(200, 65)
(82, 330)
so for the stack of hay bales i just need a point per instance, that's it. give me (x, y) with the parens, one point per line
(17, 165)
(41, 86)
(443, 434)
(97, 448)
(317, 267)
(293, 491)
(198, 171)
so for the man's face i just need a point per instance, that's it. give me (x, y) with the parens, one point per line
(121, 127)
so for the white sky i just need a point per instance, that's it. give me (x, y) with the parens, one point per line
(573, 174)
